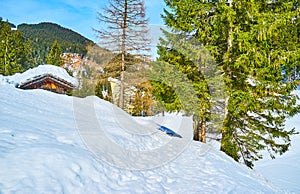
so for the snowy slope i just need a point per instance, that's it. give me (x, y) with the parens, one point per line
(41, 151)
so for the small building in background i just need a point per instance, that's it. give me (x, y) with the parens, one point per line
(48, 82)
(129, 94)
(47, 77)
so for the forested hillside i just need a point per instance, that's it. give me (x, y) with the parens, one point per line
(43, 35)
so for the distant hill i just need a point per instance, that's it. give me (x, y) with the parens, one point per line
(10, 24)
(43, 35)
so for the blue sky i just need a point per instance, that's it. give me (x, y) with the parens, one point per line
(78, 15)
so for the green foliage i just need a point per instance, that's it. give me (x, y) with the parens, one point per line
(137, 87)
(103, 89)
(86, 88)
(142, 100)
(166, 96)
(111, 69)
(54, 56)
(173, 88)
(14, 51)
(180, 53)
(86, 77)
(43, 35)
(251, 41)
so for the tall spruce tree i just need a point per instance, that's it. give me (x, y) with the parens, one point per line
(14, 51)
(252, 42)
(54, 56)
(24, 52)
(125, 32)
(167, 93)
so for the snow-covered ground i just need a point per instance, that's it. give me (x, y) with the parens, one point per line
(284, 171)
(48, 145)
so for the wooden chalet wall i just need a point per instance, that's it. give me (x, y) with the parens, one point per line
(48, 82)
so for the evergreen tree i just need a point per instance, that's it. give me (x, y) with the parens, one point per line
(251, 41)
(103, 89)
(24, 52)
(54, 57)
(14, 51)
(126, 32)
(43, 35)
(168, 96)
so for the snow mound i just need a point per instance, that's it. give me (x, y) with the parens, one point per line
(41, 151)
(58, 72)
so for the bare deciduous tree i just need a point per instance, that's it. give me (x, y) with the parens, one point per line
(124, 31)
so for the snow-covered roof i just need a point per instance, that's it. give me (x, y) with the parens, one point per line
(110, 79)
(55, 71)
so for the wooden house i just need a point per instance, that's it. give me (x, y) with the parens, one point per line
(47, 77)
(48, 82)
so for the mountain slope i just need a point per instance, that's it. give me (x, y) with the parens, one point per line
(41, 151)
(43, 35)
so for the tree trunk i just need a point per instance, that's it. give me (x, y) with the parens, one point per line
(229, 74)
(123, 47)
(5, 58)
(200, 130)
(121, 96)
(196, 131)
(202, 135)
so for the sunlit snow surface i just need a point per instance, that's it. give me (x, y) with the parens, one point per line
(41, 151)
(284, 171)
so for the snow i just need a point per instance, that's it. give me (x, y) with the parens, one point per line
(51, 143)
(284, 171)
(110, 79)
(58, 72)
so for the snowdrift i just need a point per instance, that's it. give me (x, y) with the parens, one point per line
(43, 151)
